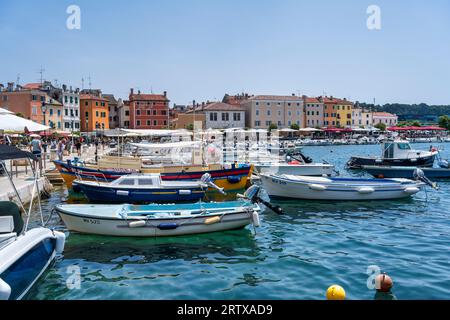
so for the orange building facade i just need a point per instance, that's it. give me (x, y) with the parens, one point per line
(94, 114)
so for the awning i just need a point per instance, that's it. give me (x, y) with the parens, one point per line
(168, 145)
(10, 152)
(412, 128)
(13, 123)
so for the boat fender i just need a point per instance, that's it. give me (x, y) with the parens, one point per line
(411, 190)
(5, 290)
(137, 224)
(234, 179)
(255, 219)
(167, 226)
(317, 187)
(184, 192)
(122, 193)
(365, 190)
(60, 241)
(212, 220)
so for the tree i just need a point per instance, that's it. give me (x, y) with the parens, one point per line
(380, 126)
(444, 122)
(295, 126)
(273, 126)
(190, 126)
(20, 115)
(415, 123)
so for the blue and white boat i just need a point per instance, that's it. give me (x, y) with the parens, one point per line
(407, 172)
(343, 189)
(25, 253)
(141, 188)
(159, 220)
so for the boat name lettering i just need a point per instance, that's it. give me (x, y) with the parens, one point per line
(91, 221)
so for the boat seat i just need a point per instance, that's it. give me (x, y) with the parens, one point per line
(10, 209)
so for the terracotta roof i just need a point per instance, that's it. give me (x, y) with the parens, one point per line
(91, 97)
(220, 106)
(151, 97)
(32, 86)
(383, 114)
(311, 100)
(276, 98)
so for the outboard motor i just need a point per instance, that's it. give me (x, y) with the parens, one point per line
(420, 175)
(206, 179)
(252, 194)
(444, 164)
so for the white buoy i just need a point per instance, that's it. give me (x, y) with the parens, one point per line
(137, 224)
(365, 190)
(60, 241)
(317, 187)
(255, 219)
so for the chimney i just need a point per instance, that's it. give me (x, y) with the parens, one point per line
(293, 94)
(165, 94)
(10, 86)
(64, 87)
(71, 90)
(139, 91)
(131, 91)
(203, 106)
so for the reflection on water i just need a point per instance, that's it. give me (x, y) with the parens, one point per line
(294, 256)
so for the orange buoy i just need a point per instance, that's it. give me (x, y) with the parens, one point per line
(383, 283)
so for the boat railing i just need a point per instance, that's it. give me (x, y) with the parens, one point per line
(79, 177)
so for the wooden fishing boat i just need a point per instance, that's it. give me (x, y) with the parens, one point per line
(344, 189)
(144, 188)
(159, 220)
(406, 172)
(233, 177)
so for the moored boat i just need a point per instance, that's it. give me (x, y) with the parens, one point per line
(233, 177)
(25, 254)
(320, 188)
(141, 188)
(159, 220)
(406, 172)
(396, 153)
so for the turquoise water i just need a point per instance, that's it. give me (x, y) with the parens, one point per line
(295, 256)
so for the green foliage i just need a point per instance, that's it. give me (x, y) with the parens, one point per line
(444, 122)
(20, 115)
(295, 126)
(190, 126)
(273, 126)
(406, 109)
(380, 126)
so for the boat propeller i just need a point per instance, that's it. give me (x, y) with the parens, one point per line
(252, 194)
(206, 179)
(420, 175)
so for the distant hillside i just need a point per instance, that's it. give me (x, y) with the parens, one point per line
(408, 109)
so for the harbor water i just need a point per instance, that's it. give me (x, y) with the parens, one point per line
(294, 256)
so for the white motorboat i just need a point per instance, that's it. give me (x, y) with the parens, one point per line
(25, 253)
(321, 188)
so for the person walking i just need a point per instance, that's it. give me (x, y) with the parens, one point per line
(78, 147)
(36, 149)
(60, 149)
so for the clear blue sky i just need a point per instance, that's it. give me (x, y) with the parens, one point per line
(201, 49)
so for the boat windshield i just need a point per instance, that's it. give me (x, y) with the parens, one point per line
(404, 146)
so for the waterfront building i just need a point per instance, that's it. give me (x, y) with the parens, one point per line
(263, 110)
(313, 112)
(26, 102)
(124, 113)
(219, 115)
(113, 109)
(149, 111)
(94, 114)
(70, 100)
(54, 113)
(367, 119)
(343, 110)
(329, 111)
(388, 119)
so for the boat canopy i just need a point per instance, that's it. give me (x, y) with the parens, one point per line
(8, 152)
(158, 133)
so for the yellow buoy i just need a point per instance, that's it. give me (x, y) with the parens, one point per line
(335, 292)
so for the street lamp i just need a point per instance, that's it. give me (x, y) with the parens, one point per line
(44, 110)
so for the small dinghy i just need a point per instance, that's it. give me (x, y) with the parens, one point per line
(159, 220)
(321, 188)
